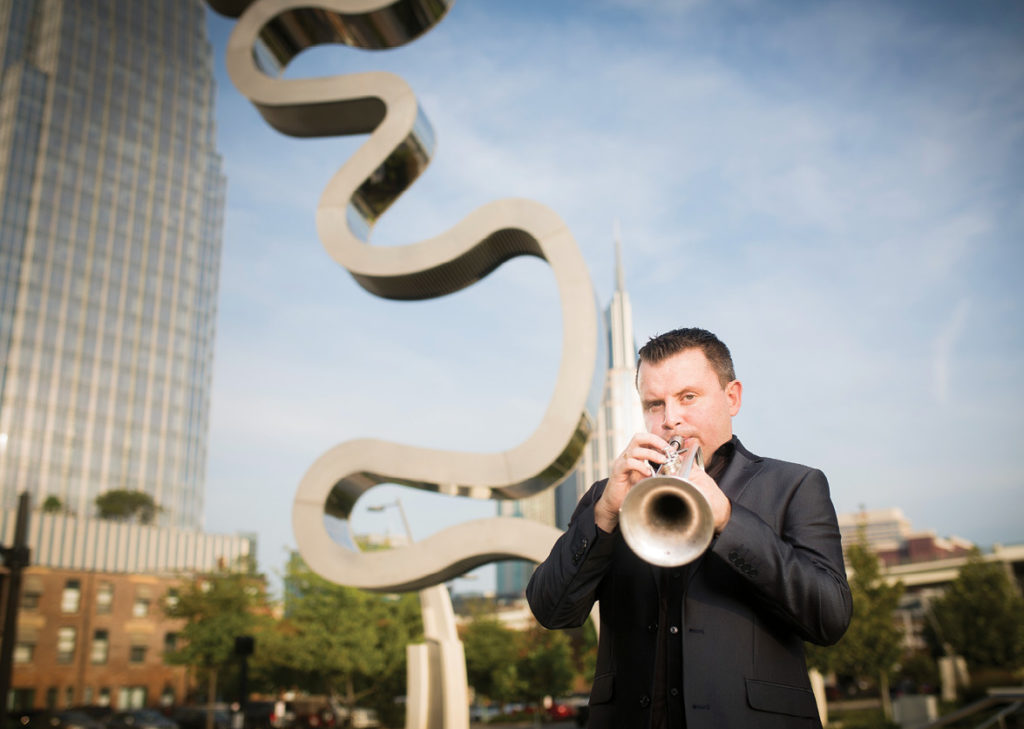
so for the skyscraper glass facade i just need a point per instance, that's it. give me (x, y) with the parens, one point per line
(111, 204)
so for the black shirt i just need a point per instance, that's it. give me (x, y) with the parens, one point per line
(667, 707)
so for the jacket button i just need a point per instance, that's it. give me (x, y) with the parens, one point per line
(673, 630)
(645, 701)
(674, 691)
(652, 628)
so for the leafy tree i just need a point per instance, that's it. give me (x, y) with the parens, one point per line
(52, 505)
(343, 641)
(872, 644)
(981, 616)
(491, 659)
(545, 663)
(123, 505)
(217, 608)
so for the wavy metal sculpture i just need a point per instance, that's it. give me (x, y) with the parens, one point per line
(268, 35)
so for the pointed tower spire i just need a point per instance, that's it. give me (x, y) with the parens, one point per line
(619, 315)
(620, 274)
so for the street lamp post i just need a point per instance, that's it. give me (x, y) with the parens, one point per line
(16, 559)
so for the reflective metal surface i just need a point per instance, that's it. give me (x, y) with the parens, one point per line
(268, 35)
(665, 519)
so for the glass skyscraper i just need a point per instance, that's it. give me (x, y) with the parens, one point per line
(111, 205)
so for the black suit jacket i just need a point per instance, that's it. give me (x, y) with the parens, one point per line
(772, 579)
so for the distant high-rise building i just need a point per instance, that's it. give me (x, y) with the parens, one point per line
(888, 533)
(111, 205)
(618, 418)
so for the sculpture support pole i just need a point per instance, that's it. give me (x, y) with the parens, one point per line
(437, 694)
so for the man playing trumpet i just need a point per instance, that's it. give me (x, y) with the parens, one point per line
(717, 642)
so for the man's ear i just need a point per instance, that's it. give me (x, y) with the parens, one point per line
(734, 394)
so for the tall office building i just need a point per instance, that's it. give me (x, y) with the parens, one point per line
(111, 204)
(618, 418)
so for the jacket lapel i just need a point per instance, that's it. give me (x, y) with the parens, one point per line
(740, 472)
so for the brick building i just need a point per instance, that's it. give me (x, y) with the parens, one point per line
(91, 627)
(95, 638)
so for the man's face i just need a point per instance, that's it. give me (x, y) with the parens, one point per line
(682, 396)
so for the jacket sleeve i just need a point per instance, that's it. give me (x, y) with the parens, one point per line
(795, 569)
(563, 588)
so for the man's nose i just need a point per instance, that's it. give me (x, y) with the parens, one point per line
(673, 415)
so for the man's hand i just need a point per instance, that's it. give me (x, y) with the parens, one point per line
(632, 467)
(721, 507)
(629, 468)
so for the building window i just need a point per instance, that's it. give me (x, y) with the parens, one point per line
(131, 697)
(137, 654)
(51, 698)
(104, 598)
(22, 699)
(71, 597)
(141, 607)
(170, 642)
(100, 649)
(171, 600)
(104, 697)
(66, 644)
(23, 651)
(30, 599)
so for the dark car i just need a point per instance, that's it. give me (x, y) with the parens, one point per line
(139, 719)
(93, 711)
(76, 719)
(194, 717)
(264, 715)
(47, 719)
(32, 719)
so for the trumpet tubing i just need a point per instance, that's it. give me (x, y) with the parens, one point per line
(665, 519)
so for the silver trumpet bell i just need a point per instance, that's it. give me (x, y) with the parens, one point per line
(665, 519)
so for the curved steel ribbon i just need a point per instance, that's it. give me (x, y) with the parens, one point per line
(266, 38)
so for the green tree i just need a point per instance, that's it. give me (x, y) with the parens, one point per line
(343, 641)
(491, 659)
(545, 663)
(217, 608)
(872, 644)
(123, 505)
(52, 505)
(981, 616)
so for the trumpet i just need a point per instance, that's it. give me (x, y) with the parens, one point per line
(665, 519)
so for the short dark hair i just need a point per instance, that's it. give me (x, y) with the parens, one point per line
(662, 346)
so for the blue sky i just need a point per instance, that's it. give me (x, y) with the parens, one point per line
(833, 188)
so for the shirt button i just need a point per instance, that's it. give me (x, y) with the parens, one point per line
(645, 701)
(652, 628)
(674, 692)
(673, 630)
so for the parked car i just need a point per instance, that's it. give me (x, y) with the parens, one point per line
(32, 719)
(139, 719)
(479, 713)
(77, 719)
(194, 717)
(560, 712)
(93, 711)
(361, 718)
